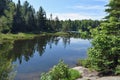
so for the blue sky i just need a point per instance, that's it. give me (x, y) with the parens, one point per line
(73, 9)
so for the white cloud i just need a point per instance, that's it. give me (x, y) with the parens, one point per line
(102, 0)
(88, 7)
(72, 16)
(76, 16)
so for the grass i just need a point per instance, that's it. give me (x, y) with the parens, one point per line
(61, 33)
(12, 37)
(55, 34)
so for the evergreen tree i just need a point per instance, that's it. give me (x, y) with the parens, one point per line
(3, 6)
(28, 13)
(6, 17)
(41, 20)
(105, 52)
(31, 21)
(18, 20)
(57, 24)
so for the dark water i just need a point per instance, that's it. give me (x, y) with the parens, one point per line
(32, 57)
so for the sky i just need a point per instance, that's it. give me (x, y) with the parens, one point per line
(71, 9)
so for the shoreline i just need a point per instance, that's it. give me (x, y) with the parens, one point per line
(22, 36)
(92, 75)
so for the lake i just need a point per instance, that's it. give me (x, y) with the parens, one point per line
(38, 55)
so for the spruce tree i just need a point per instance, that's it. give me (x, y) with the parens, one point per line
(105, 52)
(41, 19)
(6, 15)
(18, 19)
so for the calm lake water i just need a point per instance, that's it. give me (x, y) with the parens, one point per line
(32, 57)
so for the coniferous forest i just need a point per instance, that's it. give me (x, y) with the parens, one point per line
(15, 18)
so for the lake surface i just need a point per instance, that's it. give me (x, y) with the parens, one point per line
(33, 57)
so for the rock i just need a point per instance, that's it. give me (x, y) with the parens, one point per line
(93, 75)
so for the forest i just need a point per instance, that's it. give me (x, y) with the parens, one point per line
(15, 18)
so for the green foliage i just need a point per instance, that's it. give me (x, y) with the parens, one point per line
(104, 55)
(6, 66)
(6, 15)
(60, 72)
(41, 19)
(12, 37)
(84, 62)
(117, 70)
(74, 74)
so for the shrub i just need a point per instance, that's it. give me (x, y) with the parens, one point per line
(84, 62)
(60, 71)
(74, 74)
(117, 70)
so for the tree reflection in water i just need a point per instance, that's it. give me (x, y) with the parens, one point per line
(6, 66)
(11, 52)
(26, 48)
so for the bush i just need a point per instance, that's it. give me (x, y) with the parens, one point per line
(84, 62)
(74, 74)
(60, 72)
(117, 70)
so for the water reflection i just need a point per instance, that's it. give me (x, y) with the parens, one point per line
(6, 66)
(39, 54)
(26, 48)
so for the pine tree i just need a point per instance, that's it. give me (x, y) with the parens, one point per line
(57, 24)
(6, 15)
(41, 19)
(28, 14)
(105, 52)
(3, 6)
(18, 19)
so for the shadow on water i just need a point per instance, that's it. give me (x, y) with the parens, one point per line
(38, 55)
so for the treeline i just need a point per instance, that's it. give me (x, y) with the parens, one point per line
(16, 18)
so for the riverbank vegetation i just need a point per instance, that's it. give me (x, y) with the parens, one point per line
(22, 36)
(61, 71)
(6, 37)
(104, 55)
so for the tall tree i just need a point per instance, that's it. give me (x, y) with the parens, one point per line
(3, 6)
(28, 14)
(18, 22)
(57, 24)
(105, 53)
(41, 20)
(6, 17)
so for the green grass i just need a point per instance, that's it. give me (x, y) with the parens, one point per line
(55, 34)
(61, 33)
(12, 37)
